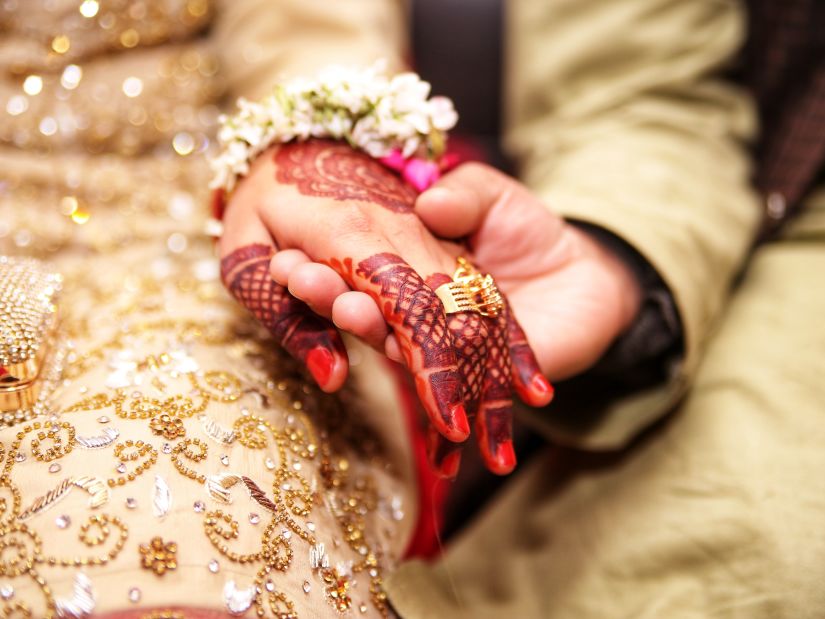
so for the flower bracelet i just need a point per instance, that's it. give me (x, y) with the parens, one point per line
(390, 119)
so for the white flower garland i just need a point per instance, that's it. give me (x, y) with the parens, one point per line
(373, 113)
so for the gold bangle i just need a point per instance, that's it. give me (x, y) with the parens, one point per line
(470, 291)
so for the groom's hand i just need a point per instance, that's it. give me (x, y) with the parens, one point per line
(572, 296)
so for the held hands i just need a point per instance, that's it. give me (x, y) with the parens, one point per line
(572, 296)
(322, 223)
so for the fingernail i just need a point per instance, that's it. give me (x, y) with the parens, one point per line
(319, 362)
(448, 468)
(541, 385)
(458, 419)
(505, 458)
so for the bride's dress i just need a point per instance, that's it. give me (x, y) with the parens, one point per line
(187, 463)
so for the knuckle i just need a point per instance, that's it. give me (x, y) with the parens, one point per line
(352, 218)
(477, 169)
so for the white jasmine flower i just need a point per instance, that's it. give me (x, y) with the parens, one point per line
(250, 133)
(376, 149)
(411, 145)
(338, 125)
(443, 114)
(372, 112)
(408, 91)
(419, 121)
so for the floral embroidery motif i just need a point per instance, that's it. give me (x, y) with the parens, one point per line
(168, 427)
(159, 556)
(150, 374)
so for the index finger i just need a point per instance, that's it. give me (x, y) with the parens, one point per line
(416, 316)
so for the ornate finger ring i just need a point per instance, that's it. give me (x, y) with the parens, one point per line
(470, 291)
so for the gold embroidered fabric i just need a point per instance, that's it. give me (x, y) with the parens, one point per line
(182, 461)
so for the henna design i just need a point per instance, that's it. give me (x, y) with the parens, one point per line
(469, 334)
(419, 323)
(306, 336)
(495, 416)
(334, 170)
(484, 362)
(527, 373)
(463, 357)
(486, 368)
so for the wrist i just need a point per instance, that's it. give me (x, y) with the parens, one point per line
(390, 119)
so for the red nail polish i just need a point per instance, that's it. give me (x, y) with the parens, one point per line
(458, 420)
(505, 458)
(448, 469)
(541, 384)
(319, 362)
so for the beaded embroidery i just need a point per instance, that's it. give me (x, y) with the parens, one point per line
(270, 467)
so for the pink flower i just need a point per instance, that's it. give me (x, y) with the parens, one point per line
(395, 160)
(421, 173)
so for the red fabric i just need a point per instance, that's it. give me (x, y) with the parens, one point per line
(432, 491)
(218, 204)
(462, 149)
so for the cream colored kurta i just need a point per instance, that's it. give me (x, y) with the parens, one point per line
(177, 419)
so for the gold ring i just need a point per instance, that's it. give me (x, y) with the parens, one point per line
(470, 291)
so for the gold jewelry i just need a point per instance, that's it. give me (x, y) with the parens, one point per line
(299, 500)
(251, 431)
(337, 588)
(271, 543)
(279, 604)
(28, 316)
(470, 291)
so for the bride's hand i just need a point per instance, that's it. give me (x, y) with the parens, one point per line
(322, 216)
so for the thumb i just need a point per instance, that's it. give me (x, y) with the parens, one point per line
(457, 205)
(504, 224)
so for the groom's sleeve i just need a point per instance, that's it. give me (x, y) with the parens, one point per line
(620, 117)
(261, 41)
